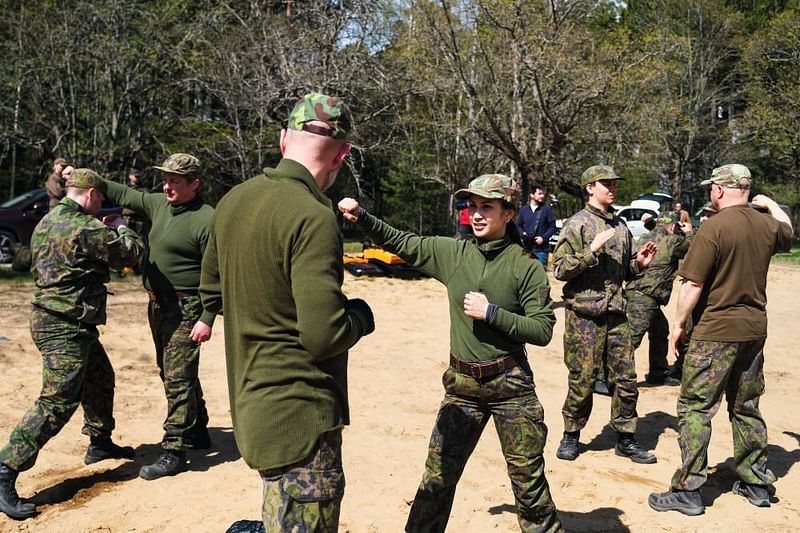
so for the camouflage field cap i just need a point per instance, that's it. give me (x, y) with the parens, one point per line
(84, 178)
(597, 173)
(319, 107)
(729, 176)
(708, 207)
(184, 164)
(667, 218)
(491, 186)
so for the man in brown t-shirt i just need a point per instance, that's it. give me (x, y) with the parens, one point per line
(724, 286)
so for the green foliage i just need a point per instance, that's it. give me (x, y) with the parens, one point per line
(441, 92)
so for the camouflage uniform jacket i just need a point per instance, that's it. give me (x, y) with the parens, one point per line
(594, 281)
(656, 280)
(72, 253)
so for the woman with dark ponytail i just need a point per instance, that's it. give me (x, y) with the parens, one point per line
(499, 301)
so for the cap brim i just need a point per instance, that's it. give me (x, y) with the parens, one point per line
(463, 194)
(706, 182)
(172, 171)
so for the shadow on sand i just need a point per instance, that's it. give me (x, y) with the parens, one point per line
(721, 480)
(650, 428)
(223, 450)
(601, 519)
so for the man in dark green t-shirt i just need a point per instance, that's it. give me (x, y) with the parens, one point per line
(274, 265)
(724, 283)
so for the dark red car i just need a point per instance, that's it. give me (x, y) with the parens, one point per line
(20, 215)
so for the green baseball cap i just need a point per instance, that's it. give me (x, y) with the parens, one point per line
(85, 178)
(597, 173)
(184, 164)
(667, 218)
(709, 207)
(319, 107)
(729, 176)
(491, 186)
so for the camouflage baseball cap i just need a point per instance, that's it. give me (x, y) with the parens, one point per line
(729, 176)
(85, 178)
(667, 218)
(491, 186)
(319, 107)
(709, 207)
(597, 173)
(184, 164)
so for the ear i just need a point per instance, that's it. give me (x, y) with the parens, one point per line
(195, 184)
(341, 155)
(283, 142)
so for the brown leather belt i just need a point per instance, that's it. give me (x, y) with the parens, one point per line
(170, 295)
(486, 369)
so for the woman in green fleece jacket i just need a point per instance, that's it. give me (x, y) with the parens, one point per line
(499, 301)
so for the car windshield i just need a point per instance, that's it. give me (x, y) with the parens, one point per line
(21, 199)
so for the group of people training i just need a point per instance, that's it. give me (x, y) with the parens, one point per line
(72, 254)
(271, 263)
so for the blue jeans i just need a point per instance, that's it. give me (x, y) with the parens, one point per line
(542, 257)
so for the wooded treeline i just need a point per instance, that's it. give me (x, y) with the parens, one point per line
(441, 91)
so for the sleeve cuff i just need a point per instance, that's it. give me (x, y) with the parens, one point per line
(491, 311)
(207, 318)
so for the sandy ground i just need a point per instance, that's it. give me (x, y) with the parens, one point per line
(395, 391)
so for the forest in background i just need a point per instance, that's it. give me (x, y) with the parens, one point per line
(441, 91)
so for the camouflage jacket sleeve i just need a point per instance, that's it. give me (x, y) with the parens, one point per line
(594, 281)
(572, 256)
(124, 248)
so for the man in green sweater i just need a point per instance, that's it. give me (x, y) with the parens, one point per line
(179, 222)
(274, 264)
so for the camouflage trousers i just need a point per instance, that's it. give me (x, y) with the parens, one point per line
(172, 317)
(306, 497)
(710, 369)
(510, 399)
(588, 341)
(645, 316)
(75, 371)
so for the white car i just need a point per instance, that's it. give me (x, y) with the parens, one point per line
(632, 215)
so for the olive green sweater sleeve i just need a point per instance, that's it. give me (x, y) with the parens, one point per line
(534, 324)
(433, 256)
(141, 202)
(327, 326)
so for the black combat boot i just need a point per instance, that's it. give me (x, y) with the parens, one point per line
(568, 449)
(201, 440)
(628, 447)
(246, 526)
(10, 503)
(168, 463)
(102, 448)
(758, 495)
